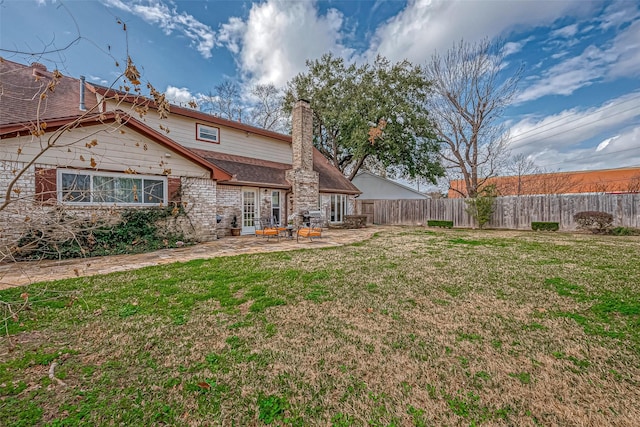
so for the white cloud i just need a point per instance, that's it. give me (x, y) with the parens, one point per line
(512, 47)
(98, 80)
(605, 143)
(169, 20)
(566, 140)
(620, 59)
(618, 13)
(278, 36)
(179, 95)
(565, 32)
(428, 25)
(568, 76)
(626, 47)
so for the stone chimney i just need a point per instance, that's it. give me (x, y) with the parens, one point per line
(303, 179)
(82, 107)
(302, 136)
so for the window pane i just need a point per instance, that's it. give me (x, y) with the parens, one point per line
(275, 199)
(104, 189)
(128, 190)
(249, 208)
(207, 133)
(153, 191)
(75, 188)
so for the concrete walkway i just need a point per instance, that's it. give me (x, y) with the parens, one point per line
(23, 273)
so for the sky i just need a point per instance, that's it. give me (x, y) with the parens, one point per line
(577, 106)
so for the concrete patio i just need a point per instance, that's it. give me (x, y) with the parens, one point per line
(24, 273)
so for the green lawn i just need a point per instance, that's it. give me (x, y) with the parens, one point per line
(412, 327)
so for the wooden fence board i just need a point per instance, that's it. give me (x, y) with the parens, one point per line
(514, 212)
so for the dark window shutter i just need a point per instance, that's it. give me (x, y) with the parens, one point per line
(174, 185)
(46, 184)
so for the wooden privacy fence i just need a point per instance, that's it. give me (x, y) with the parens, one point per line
(514, 212)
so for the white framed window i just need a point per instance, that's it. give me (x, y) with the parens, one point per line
(276, 207)
(90, 188)
(207, 133)
(338, 208)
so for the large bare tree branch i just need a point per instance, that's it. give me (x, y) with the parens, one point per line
(470, 93)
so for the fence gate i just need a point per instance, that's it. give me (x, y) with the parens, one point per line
(367, 208)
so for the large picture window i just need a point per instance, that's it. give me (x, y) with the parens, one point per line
(88, 187)
(207, 133)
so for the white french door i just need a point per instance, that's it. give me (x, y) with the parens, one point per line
(249, 209)
(338, 208)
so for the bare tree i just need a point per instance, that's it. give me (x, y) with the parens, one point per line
(522, 170)
(470, 93)
(224, 101)
(634, 184)
(267, 111)
(30, 215)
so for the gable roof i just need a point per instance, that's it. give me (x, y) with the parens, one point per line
(621, 180)
(384, 188)
(21, 87)
(257, 172)
(13, 130)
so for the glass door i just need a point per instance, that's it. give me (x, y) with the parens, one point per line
(338, 208)
(249, 210)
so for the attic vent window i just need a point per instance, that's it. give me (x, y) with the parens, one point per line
(207, 133)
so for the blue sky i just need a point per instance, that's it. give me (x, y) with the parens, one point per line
(578, 105)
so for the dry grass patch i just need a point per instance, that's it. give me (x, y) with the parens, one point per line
(408, 328)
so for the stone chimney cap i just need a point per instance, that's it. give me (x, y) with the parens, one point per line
(304, 100)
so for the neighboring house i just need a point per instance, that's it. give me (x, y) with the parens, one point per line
(622, 180)
(116, 158)
(375, 187)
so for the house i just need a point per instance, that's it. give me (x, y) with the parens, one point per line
(88, 148)
(375, 187)
(620, 180)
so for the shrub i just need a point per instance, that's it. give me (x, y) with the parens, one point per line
(481, 207)
(136, 232)
(597, 222)
(545, 226)
(438, 223)
(625, 231)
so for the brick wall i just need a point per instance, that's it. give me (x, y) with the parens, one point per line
(199, 198)
(29, 211)
(15, 219)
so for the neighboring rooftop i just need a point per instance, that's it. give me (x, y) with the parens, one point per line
(621, 180)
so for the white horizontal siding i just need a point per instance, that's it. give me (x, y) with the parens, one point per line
(115, 151)
(232, 141)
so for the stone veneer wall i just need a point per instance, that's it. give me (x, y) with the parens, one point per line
(229, 203)
(303, 179)
(305, 189)
(302, 136)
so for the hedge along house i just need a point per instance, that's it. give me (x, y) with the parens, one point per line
(107, 159)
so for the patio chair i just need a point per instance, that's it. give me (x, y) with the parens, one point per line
(312, 231)
(265, 229)
(282, 229)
